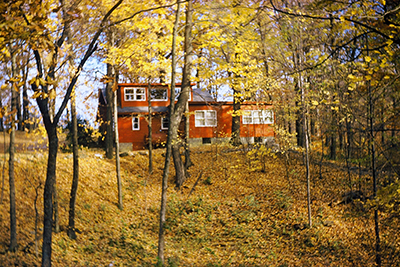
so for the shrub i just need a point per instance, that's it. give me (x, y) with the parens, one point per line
(87, 135)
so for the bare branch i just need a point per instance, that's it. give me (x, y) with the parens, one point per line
(366, 26)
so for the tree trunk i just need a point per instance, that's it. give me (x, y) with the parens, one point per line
(237, 100)
(188, 161)
(75, 148)
(25, 99)
(306, 139)
(117, 161)
(378, 256)
(1, 118)
(25, 108)
(56, 214)
(36, 219)
(332, 145)
(13, 216)
(48, 194)
(75, 178)
(173, 126)
(150, 127)
(299, 130)
(109, 116)
(180, 172)
(19, 112)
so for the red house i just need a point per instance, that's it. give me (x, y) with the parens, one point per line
(210, 121)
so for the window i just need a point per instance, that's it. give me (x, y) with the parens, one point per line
(135, 123)
(205, 118)
(158, 94)
(164, 123)
(178, 92)
(206, 140)
(265, 116)
(134, 94)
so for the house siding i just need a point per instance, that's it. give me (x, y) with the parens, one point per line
(198, 135)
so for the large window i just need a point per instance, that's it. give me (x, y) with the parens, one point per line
(134, 94)
(265, 116)
(158, 94)
(136, 123)
(205, 118)
(164, 123)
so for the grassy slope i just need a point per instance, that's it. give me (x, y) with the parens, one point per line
(237, 215)
(23, 141)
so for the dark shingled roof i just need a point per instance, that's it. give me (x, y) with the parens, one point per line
(200, 95)
(141, 109)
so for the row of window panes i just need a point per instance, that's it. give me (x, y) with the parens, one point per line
(139, 94)
(156, 94)
(136, 123)
(258, 117)
(208, 118)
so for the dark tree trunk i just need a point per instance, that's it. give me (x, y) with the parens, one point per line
(13, 216)
(48, 194)
(75, 150)
(25, 98)
(150, 131)
(1, 119)
(378, 255)
(299, 128)
(180, 172)
(56, 220)
(51, 123)
(109, 116)
(237, 100)
(188, 161)
(75, 178)
(332, 146)
(25, 108)
(19, 111)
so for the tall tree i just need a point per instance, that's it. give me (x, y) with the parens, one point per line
(40, 86)
(163, 208)
(11, 174)
(109, 138)
(75, 145)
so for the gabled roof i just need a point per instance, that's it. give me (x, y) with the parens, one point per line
(200, 95)
(141, 109)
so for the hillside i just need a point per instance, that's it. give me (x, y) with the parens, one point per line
(239, 214)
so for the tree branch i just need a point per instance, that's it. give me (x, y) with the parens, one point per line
(144, 10)
(92, 47)
(372, 29)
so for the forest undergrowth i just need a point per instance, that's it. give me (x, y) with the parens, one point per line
(244, 210)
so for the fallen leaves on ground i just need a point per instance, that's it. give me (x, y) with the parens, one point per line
(245, 211)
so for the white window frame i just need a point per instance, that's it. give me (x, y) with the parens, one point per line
(260, 116)
(133, 96)
(160, 88)
(202, 118)
(162, 123)
(135, 123)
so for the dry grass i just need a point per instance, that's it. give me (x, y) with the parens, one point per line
(236, 216)
(24, 141)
